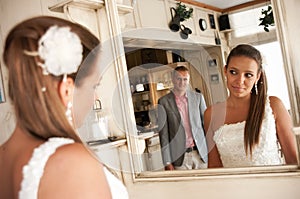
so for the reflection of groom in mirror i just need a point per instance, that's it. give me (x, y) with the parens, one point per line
(182, 138)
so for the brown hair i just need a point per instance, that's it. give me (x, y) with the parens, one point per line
(41, 114)
(257, 101)
(179, 68)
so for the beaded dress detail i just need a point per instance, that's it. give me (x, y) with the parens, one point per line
(33, 171)
(229, 140)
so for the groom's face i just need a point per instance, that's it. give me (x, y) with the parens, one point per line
(181, 80)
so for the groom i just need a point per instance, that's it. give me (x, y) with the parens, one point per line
(182, 138)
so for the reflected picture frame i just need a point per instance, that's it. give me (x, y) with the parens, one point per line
(212, 63)
(212, 21)
(214, 78)
(2, 92)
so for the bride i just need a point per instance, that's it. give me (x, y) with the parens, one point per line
(44, 157)
(249, 128)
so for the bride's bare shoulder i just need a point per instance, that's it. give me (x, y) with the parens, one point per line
(216, 107)
(214, 112)
(76, 169)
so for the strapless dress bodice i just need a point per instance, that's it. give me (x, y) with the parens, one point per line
(229, 140)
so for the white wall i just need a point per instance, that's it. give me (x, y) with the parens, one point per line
(12, 12)
(227, 188)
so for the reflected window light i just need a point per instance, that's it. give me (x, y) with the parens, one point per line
(277, 83)
(247, 22)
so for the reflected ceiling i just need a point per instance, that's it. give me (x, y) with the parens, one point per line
(223, 4)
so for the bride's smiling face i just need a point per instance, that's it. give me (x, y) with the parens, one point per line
(241, 73)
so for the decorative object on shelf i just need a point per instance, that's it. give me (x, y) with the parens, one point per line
(202, 24)
(160, 86)
(267, 19)
(175, 22)
(217, 38)
(224, 22)
(212, 21)
(139, 87)
(183, 12)
(179, 14)
(185, 31)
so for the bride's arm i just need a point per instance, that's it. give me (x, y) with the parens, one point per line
(284, 130)
(214, 159)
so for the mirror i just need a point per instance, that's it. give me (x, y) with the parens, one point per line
(206, 66)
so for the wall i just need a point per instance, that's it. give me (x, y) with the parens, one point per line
(8, 18)
(216, 188)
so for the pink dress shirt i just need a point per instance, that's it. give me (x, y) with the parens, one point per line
(182, 105)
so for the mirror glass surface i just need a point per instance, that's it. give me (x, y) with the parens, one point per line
(150, 78)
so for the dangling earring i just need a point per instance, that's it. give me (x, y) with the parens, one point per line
(69, 112)
(256, 90)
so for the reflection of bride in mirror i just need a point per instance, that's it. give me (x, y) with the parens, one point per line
(249, 128)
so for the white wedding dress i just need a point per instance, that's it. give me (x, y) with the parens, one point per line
(33, 171)
(229, 140)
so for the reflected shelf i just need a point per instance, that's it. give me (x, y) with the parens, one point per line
(89, 4)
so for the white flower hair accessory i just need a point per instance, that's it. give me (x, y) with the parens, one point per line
(61, 51)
